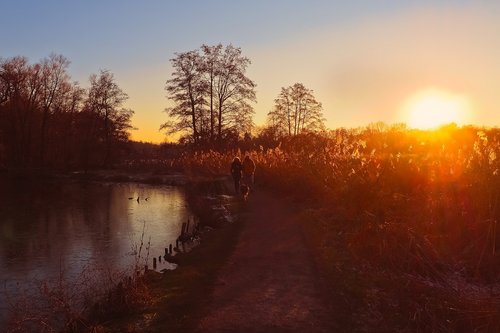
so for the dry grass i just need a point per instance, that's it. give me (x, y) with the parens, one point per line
(415, 216)
(403, 224)
(77, 305)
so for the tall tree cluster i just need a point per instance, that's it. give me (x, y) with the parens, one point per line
(49, 121)
(296, 110)
(211, 93)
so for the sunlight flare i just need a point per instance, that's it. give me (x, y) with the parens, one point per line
(432, 108)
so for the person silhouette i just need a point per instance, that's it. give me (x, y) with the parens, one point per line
(248, 171)
(236, 169)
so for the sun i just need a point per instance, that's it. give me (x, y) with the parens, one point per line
(432, 108)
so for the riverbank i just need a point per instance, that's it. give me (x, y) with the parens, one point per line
(258, 274)
(95, 211)
(171, 179)
(261, 263)
(178, 297)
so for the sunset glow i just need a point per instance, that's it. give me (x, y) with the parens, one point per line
(432, 108)
(250, 166)
(363, 60)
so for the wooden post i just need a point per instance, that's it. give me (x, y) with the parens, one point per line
(166, 251)
(170, 249)
(154, 263)
(159, 258)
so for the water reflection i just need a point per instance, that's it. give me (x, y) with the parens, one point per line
(51, 226)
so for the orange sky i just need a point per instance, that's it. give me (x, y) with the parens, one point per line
(363, 70)
(364, 59)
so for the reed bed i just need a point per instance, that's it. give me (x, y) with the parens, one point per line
(417, 212)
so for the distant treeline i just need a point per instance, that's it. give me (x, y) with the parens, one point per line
(49, 121)
(212, 98)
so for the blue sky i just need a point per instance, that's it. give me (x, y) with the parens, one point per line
(362, 58)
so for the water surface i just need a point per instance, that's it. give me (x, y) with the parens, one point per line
(48, 228)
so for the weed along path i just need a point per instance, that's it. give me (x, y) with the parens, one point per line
(268, 283)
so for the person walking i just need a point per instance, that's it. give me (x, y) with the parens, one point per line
(248, 171)
(236, 169)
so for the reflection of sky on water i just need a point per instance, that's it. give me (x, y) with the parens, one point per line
(52, 227)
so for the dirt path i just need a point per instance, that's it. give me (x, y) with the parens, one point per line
(268, 283)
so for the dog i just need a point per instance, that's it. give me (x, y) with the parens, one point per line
(244, 191)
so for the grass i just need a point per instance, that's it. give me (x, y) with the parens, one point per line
(340, 282)
(402, 225)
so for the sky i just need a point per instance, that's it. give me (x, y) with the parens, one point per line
(366, 61)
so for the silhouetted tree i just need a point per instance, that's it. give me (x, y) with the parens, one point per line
(109, 122)
(296, 110)
(67, 123)
(211, 56)
(17, 107)
(55, 87)
(233, 89)
(186, 89)
(48, 121)
(211, 92)
(33, 103)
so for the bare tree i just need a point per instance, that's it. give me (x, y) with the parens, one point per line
(46, 120)
(295, 110)
(233, 88)
(110, 121)
(55, 87)
(67, 122)
(211, 59)
(186, 89)
(238, 118)
(18, 104)
(211, 92)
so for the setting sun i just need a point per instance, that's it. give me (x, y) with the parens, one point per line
(432, 108)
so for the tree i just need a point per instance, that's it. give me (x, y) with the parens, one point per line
(55, 87)
(186, 89)
(19, 107)
(211, 93)
(233, 89)
(46, 120)
(33, 98)
(296, 110)
(109, 122)
(211, 56)
(67, 124)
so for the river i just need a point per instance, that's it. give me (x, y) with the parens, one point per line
(54, 229)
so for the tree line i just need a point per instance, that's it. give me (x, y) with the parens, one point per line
(213, 98)
(49, 121)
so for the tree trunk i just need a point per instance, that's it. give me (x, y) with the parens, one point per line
(219, 132)
(212, 118)
(193, 114)
(42, 137)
